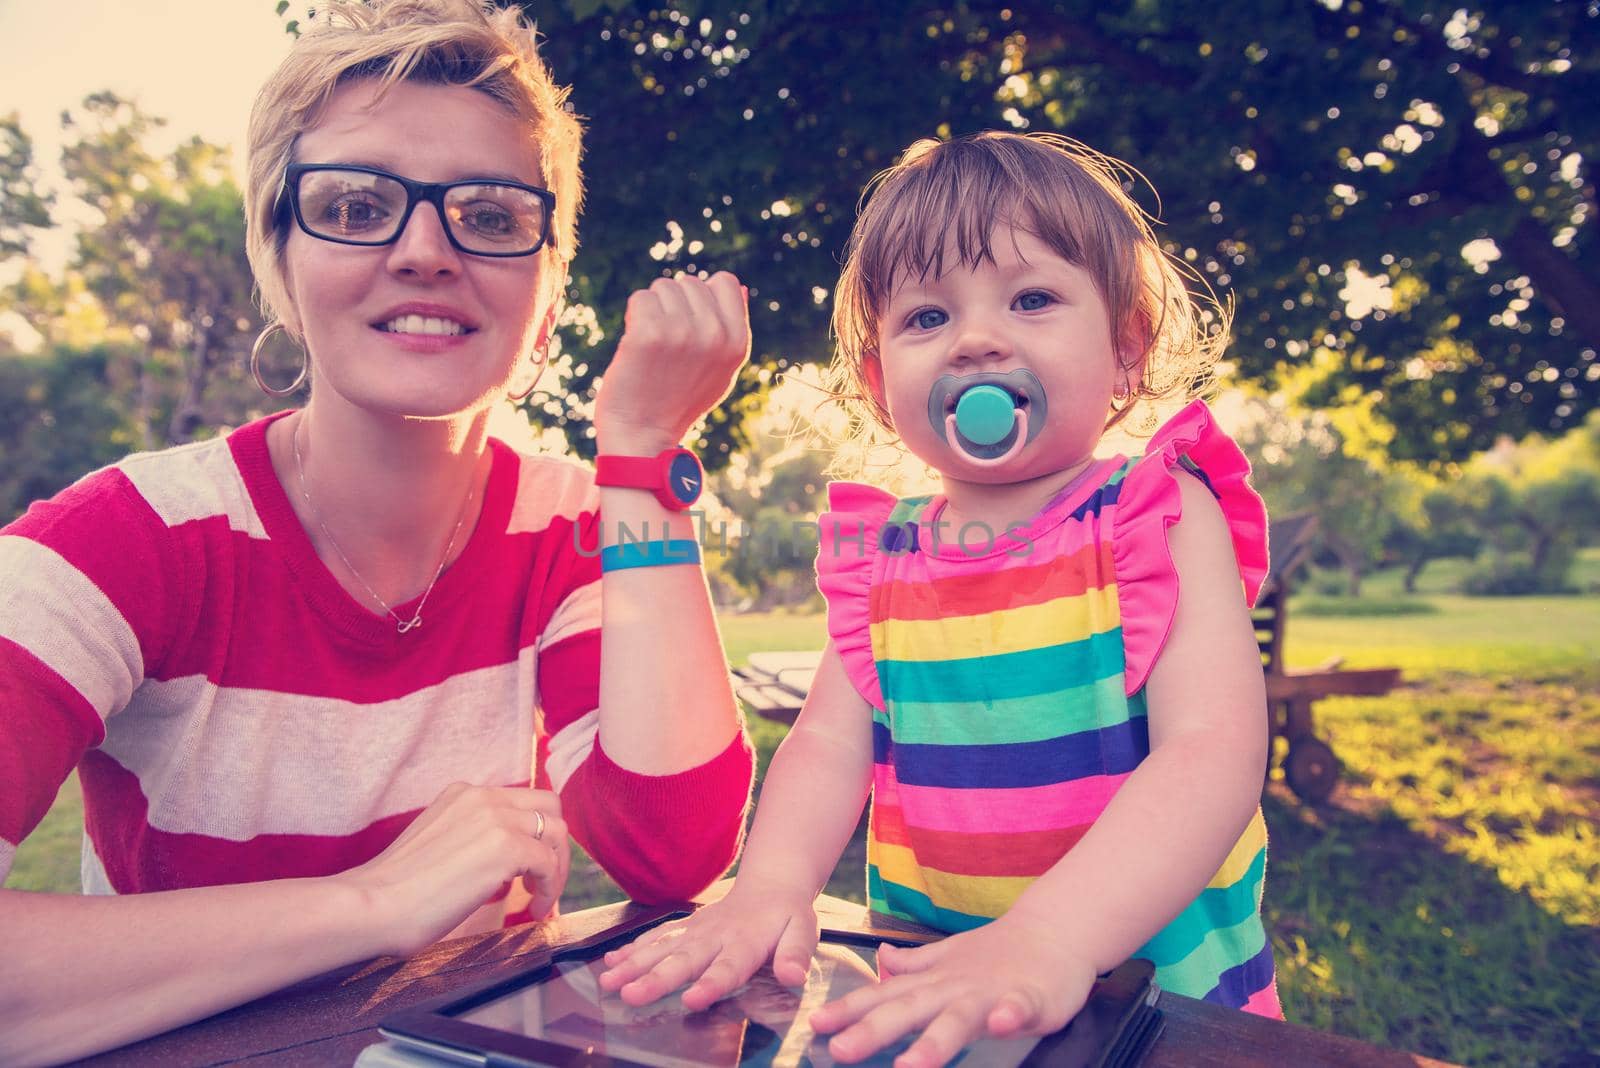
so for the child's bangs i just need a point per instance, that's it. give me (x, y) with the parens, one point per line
(951, 216)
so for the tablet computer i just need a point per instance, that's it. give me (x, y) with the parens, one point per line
(553, 1013)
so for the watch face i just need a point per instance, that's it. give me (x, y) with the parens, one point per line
(684, 477)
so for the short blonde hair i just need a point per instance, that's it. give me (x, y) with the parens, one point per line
(445, 42)
(953, 195)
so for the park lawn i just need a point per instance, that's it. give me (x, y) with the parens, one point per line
(1447, 899)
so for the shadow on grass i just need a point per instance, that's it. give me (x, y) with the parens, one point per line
(1383, 935)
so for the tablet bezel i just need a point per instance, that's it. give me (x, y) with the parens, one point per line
(434, 1025)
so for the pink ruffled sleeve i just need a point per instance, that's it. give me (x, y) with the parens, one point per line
(1150, 501)
(848, 537)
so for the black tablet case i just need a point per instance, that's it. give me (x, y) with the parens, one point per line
(1116, 1026)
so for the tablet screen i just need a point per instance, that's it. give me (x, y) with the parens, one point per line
(762, 1023)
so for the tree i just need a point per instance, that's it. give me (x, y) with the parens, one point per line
(64, 418)
(168, 258)
(775, 490)
(1303, 462)
(161, 272)
(1347, 170)
(24, 207)
(1435, 521)
(1537, 502)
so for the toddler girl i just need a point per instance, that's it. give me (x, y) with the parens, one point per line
(1046, 675)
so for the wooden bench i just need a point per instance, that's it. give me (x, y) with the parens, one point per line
(774, 684)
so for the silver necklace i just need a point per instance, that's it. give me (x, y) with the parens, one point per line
(404, 625)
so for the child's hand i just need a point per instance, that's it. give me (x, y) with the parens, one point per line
(718, 949)
(1010, 977)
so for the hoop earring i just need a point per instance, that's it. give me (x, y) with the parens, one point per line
(255, 364)
(518, 398)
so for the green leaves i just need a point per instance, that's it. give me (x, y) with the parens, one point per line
(1296, 150)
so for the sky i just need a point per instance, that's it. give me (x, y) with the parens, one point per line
(195, 63)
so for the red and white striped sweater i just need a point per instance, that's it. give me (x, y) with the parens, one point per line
(235, 715)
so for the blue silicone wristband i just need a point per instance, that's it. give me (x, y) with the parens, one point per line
(649, 554)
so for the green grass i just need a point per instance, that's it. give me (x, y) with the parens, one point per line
(49, 858)
(1364, 606)
(1446, 900)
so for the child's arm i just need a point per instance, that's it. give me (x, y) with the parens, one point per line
(1154, 848)
(810, 802)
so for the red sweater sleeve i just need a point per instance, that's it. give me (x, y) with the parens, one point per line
(87, 589)
(661, 837)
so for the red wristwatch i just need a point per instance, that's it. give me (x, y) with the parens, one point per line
(674, 475)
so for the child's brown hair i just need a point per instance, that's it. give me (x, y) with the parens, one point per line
(950, 197)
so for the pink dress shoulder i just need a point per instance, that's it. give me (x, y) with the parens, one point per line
(1150, 502)
(848, 535)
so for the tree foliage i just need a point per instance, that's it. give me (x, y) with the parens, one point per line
(1536, 502)
(24, 207)
(160, 271)
(1304, 463)
(65, 416)
(1325, 163)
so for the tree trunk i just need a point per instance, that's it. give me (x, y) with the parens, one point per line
(187, 414)
(1557, 277)
(1413, 572)
(144, 409)
(1350, 558)
(1539, 551)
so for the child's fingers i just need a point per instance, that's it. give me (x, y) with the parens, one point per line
(731, 969)
(908, 960)
(893, 1015)
(844, 1012)
(634, 959)
(949, 1033)
(685, 962)
(791, 960)
(1012, 1015)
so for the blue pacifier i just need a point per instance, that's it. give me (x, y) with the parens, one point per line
(988, 416)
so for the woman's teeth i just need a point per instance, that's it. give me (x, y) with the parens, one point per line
(417, 324)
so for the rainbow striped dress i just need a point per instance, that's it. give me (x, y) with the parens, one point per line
(1006, 674)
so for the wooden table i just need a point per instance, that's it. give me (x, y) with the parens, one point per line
(330, 1019)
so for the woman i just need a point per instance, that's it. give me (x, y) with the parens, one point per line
(334, 681)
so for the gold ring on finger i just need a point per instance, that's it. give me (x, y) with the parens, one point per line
(538, 830)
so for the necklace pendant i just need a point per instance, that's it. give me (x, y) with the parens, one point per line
(414, 621)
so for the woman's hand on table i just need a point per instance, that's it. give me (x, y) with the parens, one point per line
(460, 852)
(684, 339)
(1010, 977)
(718, 949)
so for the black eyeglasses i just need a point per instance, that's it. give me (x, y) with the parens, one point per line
(355, 205)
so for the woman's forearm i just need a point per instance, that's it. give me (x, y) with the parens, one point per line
(88, 973)
(666, 702)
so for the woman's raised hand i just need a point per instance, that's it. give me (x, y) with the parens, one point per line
(684, 340)
(718, 949)
(457, 854)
